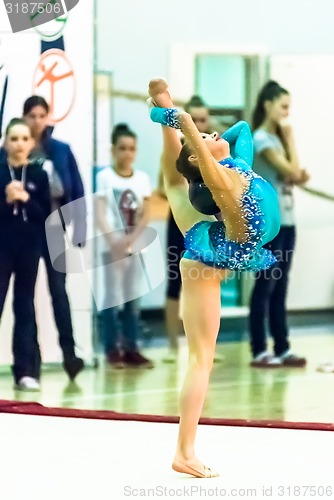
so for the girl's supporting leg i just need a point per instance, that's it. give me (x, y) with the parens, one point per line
(201, 318)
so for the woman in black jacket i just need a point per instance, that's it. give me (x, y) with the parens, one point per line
(24, 207)
(66, 188)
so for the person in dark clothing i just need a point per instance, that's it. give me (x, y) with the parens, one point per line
(276, 160)
(24, 207)
(65, 187)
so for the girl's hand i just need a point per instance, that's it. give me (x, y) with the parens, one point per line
(304, 177)
(119, 249)
(301, 177)
(14, 185)
(24, 196)
(13, 191)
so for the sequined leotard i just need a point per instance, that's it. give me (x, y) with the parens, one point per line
(206, 241)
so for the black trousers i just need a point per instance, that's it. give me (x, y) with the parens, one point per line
(22, 260)
(269, 295)
(57, 288)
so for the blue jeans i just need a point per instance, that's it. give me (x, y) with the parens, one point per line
(120, 328)
(269, 295)
(120, 322)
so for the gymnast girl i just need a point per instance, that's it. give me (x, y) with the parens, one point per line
(207, 176)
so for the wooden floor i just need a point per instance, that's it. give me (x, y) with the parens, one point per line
(236, 390)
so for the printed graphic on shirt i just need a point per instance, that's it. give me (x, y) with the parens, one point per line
(129, 207)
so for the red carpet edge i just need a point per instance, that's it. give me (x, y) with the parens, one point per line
(26, 408)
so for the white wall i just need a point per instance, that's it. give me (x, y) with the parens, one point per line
(135, 41)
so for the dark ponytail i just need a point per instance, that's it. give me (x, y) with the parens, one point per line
(269, 92)
(194, 102)
(121, 130)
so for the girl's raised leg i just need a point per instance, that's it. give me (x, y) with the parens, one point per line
(176, 186)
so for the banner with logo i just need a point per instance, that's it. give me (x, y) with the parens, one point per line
(53, 59)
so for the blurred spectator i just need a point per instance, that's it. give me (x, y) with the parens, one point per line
(66, 186)
(122, 213)
(24, 206)
(276, 161)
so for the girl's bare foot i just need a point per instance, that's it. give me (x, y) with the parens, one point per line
(158, 90)
(193, 467)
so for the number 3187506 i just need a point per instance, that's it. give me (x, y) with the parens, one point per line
(34, 8)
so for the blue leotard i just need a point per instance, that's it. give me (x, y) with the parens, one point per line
(206, 241)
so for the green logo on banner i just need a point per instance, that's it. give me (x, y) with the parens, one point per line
(53, 29)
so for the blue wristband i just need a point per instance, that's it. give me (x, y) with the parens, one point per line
(166, 116)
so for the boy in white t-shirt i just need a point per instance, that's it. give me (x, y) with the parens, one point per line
(122, 196)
